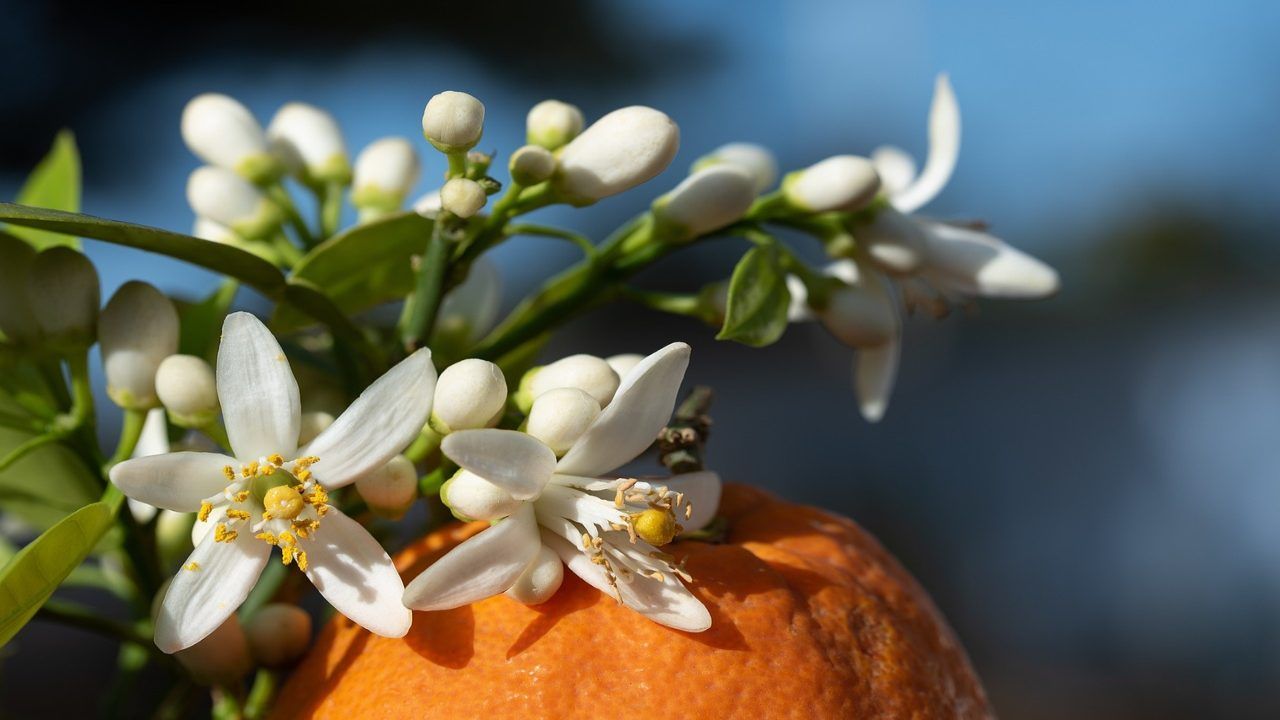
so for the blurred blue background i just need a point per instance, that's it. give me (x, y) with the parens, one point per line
(1087, 485)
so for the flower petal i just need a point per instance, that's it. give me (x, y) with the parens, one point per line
(257, 391)
(472, 307)
(210, 586)
(874, 371)
(701, 491)
(798, 310)
(386, 417)
(154, 439)
(895, 167)
(640, 409)
(976, 263)
(514, 461)
(174, 481)
(482, 566)
(356, 576)
(944, 148)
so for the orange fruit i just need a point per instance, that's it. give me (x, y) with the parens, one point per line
(812, 618)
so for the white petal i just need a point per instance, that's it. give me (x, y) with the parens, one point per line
(141, 511)
(976, 263)
(701, 491)
(257, 391)
(896, 168)
(356, 576)
(386, 417)
(199, 599)
(514, 461)
(640, 409)
(154, 439)
(667, 602)
(944, 148)
(472, 306)
(175, 481)
(874, 371)
(482, 566)
(798, 310)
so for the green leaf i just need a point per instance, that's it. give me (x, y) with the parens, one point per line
(225, 259)
(202, 321)
(55, 184)
(44, 486)
(30, 577)
(365, 266)
(756, 312)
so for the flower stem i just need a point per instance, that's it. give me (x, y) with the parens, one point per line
(281, 198)
(130, 432)
(261, 694)
(26, 448)
(419, 316)
(330, 210)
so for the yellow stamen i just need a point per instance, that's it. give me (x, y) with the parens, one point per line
(231, 474)
(205, 508)
(222, 534)
(192, 566)
(236, 514)
(275, 459)
(266, 537)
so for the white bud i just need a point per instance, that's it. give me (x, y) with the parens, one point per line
(17, 321)
(308, 141)
(618, 152)
(706, 201)
(462, 197)
(62, 287)
(138, 329)
(278, 634)
(390, 489)
(472, 497)
(552, 124)
(532, 164)
(469, 394)
(843, 183)
(453, 121)
(587, 373)
(755, 160)
(623, 363)
(173, 533)
(860, 314)
(221, 658)
(230, 200)
(222, 132)
(214, 231)
(559, 417)
(313, 423)
(185, 385)
(386, 171)
(540, 580)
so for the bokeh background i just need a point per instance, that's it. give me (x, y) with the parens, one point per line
(1087, 485)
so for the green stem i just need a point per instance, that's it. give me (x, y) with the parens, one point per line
(81, 390)
(457, 164)
(217, 433)
(226, 704)
(130, 432)
(286, 251)
(281, 198)
(674, 303)
(543, 231)
(26, 448)
(18, 422)
(419, 316)
(261, 694)
(331, 210)
(51, 372)
(426, 443)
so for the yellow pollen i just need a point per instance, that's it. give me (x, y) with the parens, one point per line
(282, 501)
(301, 559)
(303, 475)
(276, 459)
(241, 496)
(656, 527)
(192, 566)
(235, 514)
(205, 508)
(266, 537)
(268, 469)
(222, 534)
(231, 474)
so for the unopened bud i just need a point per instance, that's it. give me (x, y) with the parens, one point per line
(623, 363)
(540, 580)
(185, 385)
(705, 201)
(755, 160)
(309, 142)
(222, 132)
(17, 321)
(453, 121)
(385, 172)
(462, 197)
(226, 198)
(469, 394)
(137, 331)
(214, 231)
(62, 287)
(173, 535)
(618, 152)
(552, 124)
(532, 164)
(390, 489)
(560, 416)
(842, 183)
(471, 497)
(221, 658)
(312, 424)
(588, 373)
(278, 634)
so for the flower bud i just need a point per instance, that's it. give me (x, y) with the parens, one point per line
(843, 183)
(278, 634)
(222, 658)
(559, 417)
(860, 314)
(186, 388)
(308, 141)
(453, 121)
(618, 152)
(214, 231)
(390, 489)
(17, 321)
(469, 394)
(230, 200)
(705, 201)
(587, 373)
(173, 535)
(540, 580)
(313, 423)
(137, 331)
(471, 497)
(623, 363)
(386, 171)
(532, 164)
(462, 197)
(755, 160)
(552, 124)
(222, 132)
(62, 287)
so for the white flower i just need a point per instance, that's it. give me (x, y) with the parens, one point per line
(453, 121)
(138, 329)
(214, 231)
(618, 152)
(222, 132)
(462, 197)
(186, 387)
(559, 417)
(587, 373)
(470, 394)
(228, 199)
(308, 141)
(273, 493)
(552, 124)
(62, 287)
(153, 440)
(608, 531)
(755, 160)
(386, 171)
(278, 634)
(531, 164)
(707, 200)
(841, 183)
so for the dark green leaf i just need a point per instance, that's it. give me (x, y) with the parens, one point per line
(202, 321)
(54, 184)
(756, 312)
(43, 487)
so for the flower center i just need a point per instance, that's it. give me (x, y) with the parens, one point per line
(656, 526)
(283, 501)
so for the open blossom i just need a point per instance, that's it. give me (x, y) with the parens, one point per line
(274, 494)
(607, 530)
